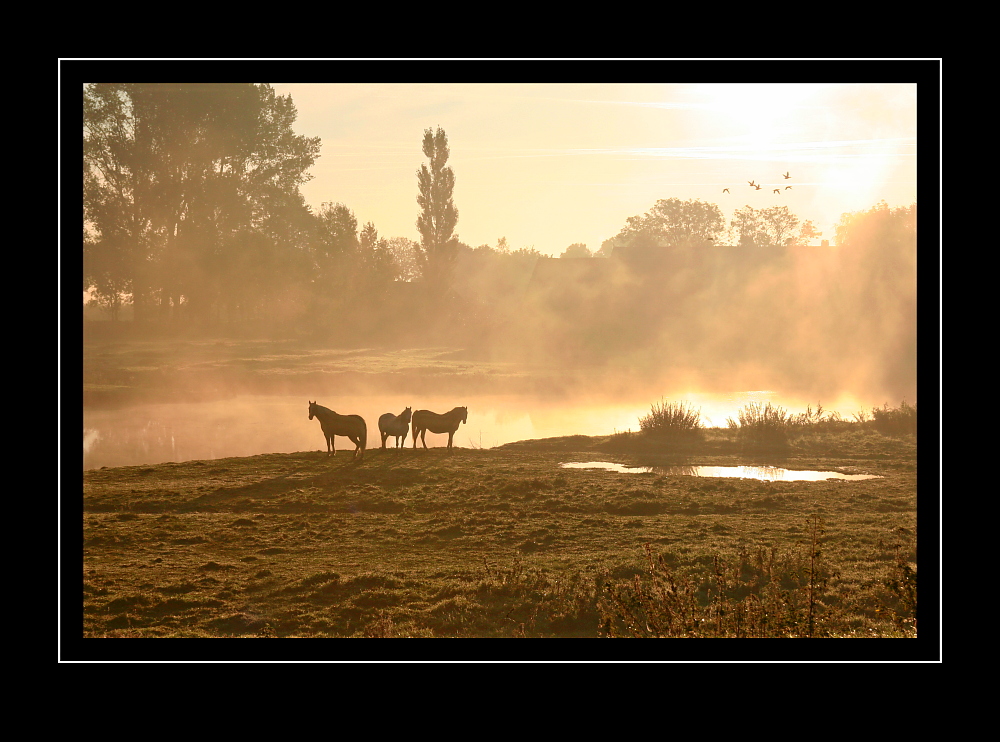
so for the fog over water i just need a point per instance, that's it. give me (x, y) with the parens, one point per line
(713, 297)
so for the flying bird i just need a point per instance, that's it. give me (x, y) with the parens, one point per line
(787, 187)
(787, 176)
(777, 190)
(751, 182)
(757, 187)
(725, 190)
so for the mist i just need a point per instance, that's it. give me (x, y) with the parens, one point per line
(228, 285)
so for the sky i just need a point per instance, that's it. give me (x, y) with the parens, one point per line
(546, 165)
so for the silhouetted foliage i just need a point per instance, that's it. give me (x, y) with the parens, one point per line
(438, 215)
(191, 190)
(763, 227)
(576, 250)
(674, 222)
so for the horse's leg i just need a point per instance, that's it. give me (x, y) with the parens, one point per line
(415, 431)
(451, 434)
(423, 437)
(384, 436)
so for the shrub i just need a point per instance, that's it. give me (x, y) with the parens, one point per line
(899, 421)
(761, 425)
(671, 419)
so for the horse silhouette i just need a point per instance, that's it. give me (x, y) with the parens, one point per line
(424, 420)
(351, 426)
(395, 425)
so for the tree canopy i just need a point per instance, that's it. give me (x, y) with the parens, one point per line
(190, 189)
(676, 223)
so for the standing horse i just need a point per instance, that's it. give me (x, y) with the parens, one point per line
(352, 426)
(424, 420)
(395, 425)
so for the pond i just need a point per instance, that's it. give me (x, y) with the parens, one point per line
(256, 424)
(764, 473)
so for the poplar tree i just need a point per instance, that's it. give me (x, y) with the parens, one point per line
(438, 215)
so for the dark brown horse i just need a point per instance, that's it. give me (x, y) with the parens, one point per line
(352, 426)
(424, 420)
(395, 425)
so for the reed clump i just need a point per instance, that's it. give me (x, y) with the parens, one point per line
(762, 425)
(900, 420)
(672, 420)
(761, 593)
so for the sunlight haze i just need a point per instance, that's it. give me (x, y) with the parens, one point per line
(548, 165)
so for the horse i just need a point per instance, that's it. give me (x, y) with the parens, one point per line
(395, 425)
(352, 426)
(424, 420)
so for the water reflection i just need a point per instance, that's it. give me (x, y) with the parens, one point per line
(251, 425)
(765, 473)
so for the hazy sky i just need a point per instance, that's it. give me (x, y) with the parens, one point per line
(547, 165)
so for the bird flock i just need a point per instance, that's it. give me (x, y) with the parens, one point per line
(756, 186)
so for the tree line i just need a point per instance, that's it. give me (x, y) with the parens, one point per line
(192, 202)
(192, 207)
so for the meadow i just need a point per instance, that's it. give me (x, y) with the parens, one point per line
(505, 542)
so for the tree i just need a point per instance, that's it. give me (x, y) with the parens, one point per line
(676, 223)
(182, 179)
(378, 265)
(408, 256)
(807, 232)
(779, 224)
(879, 228)
(338, 233)
(576, 250)
(763, 227)
(438, 215)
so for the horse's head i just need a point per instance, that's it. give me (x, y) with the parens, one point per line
(465, 414)
(406, 414)
(312, 410)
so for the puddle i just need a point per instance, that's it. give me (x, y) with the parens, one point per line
(766, 473)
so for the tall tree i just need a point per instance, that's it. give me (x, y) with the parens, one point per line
(115, 213)
(188, 177)
(438, 215)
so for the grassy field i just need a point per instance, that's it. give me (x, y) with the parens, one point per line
(500, 542)
(503, 543)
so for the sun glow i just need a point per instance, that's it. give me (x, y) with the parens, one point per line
(768, 115)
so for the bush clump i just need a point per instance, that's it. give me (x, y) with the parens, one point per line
(899, 421)
(761, 425)
(672, 420)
